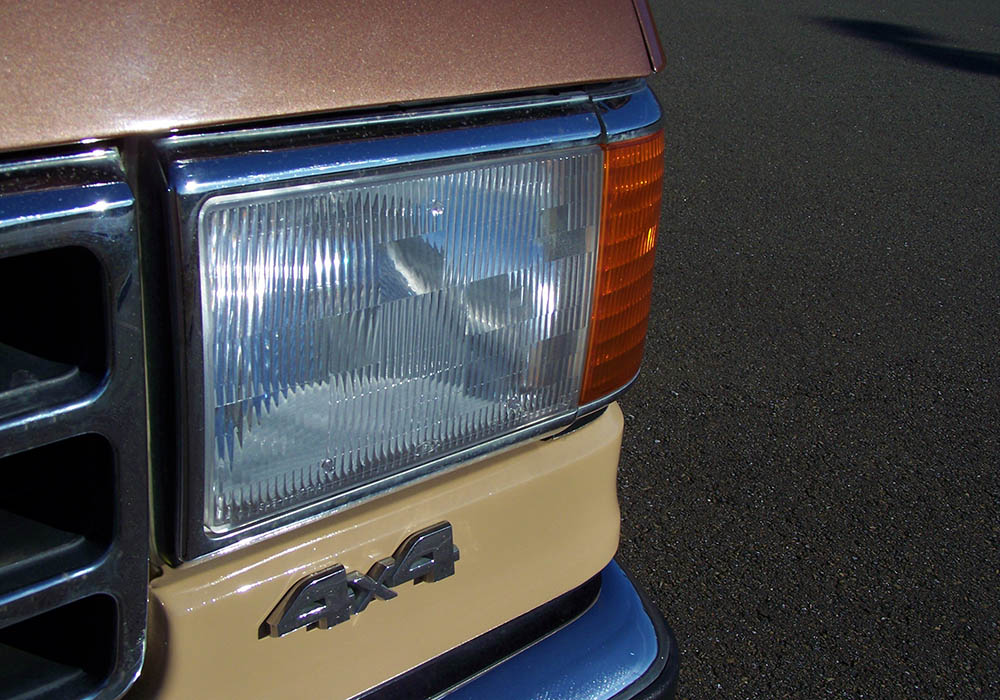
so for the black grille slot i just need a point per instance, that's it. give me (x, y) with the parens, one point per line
(52, 328)
(56, 509)
(66, 652)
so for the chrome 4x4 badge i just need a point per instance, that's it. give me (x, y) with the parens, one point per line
(332, 595)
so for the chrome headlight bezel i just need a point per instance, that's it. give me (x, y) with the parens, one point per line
(200, 167)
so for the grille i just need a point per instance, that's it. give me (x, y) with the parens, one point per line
(73, 514)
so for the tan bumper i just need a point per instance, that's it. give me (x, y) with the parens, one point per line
(531, 524)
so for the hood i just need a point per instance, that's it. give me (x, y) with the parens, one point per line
(79, 69)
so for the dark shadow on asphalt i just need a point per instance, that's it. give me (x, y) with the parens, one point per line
(916, 44)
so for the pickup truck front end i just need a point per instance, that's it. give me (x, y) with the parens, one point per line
(324, 404)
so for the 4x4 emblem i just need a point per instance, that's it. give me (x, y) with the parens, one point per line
(332, 595)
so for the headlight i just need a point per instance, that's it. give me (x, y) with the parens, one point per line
(357, 328)
(367, 303)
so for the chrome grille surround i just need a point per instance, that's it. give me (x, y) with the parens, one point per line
(80, 200)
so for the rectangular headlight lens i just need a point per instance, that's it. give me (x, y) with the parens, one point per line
(356, 329)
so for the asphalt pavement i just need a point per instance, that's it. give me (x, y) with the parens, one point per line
(809, 480)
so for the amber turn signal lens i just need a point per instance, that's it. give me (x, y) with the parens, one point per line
(630, 216)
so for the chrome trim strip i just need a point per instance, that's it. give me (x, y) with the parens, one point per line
(357, 148)
(83, 183)
(213, 175)
(473, 109)
(198, 166)
(600, 403)
(630, 114)
(29, 207)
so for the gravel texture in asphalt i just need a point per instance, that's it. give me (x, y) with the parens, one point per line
(809, 478)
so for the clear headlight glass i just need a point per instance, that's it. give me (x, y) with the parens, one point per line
(356, 329)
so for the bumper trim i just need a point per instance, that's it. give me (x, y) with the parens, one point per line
(453, 667)
(659, 682)
(619, 649)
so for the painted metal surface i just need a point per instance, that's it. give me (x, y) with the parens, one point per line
(594, 657)
(71, 69)
(656, 57)
(515, 517)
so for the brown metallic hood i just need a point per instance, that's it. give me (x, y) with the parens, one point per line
(74, 69)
